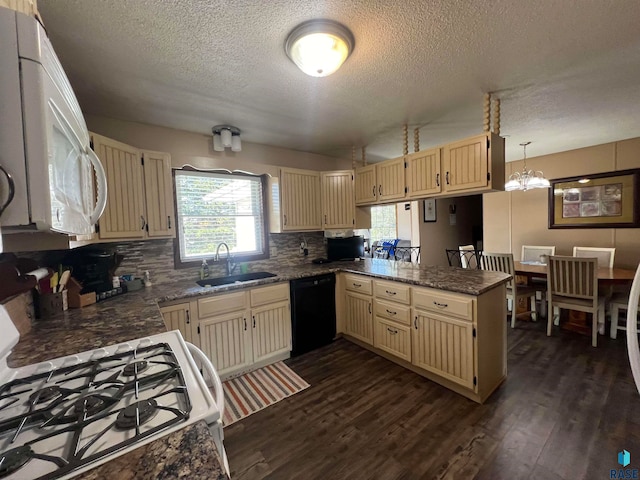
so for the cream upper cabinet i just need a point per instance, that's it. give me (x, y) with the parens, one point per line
(300, 200)
(338, 200)
(158, 194)
(423, 173)
(139, 191)
(366, 186)
(391, 179)
(474, 165)
(124, 215)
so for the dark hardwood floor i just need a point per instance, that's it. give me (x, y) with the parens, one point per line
(564, 412)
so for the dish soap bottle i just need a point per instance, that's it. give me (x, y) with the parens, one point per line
(204, 270)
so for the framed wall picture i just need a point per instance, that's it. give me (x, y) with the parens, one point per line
(602, 200)
(430, 210)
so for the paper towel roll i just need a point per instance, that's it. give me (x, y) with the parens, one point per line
(40, 273)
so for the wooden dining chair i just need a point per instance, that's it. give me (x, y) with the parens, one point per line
(605, 256)
(503, 262)
(572, 283)
(619, 302)
(534, 253)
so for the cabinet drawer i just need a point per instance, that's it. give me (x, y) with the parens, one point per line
(393, 291)
(270, 294)
(357, 283)
(392, 311)
(228, 302)
(392, 338)
(445, 303)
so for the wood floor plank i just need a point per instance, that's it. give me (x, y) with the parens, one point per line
(564, 412)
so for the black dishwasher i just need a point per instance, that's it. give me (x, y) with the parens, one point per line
(313, 312)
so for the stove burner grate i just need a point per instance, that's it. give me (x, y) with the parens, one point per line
(12, 460)
(45, 394)
(90, 405)
(137, 414)
(134, 368)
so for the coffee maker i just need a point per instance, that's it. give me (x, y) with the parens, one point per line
(93, 269)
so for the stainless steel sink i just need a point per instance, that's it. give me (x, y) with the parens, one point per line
(243, 277)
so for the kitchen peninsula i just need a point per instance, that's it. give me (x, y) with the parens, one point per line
(476, 297)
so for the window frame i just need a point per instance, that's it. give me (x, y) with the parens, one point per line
(264, 185)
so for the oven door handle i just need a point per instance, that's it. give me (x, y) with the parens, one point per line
(207, 365)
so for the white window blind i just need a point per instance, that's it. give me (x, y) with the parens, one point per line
(216, 207)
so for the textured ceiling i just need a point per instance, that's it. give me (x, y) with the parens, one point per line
(567, 72)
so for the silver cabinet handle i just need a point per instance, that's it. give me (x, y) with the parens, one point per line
(437, 179)
(447, 178)
(393, 332)
(415, 322)
(440, 305)
(374, 190)
(369, 308)
(379, 189)
(188, 317)
(254, 321)
(390, 293)
(391, 313)
(245, 323)
(169, 221)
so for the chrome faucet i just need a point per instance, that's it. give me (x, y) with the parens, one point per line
(230, 265)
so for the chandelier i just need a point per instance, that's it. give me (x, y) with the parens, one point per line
(527, 179)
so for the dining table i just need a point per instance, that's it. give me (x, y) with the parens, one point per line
(607, 277)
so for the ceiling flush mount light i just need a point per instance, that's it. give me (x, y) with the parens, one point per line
(319, 47)
(527, 179)
(225, 136)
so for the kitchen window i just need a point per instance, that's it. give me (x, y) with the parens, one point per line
(218, 207)
(383, 223)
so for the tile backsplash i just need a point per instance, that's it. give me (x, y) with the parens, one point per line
(156, 256)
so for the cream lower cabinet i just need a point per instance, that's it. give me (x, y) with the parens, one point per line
(358, 307)
(392, 318)
(247, 329)
(178, 317)
(457, 340)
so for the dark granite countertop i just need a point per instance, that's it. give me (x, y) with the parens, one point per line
(188, 452)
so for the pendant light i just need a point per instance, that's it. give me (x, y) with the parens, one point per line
(527, 179)
(319, 47)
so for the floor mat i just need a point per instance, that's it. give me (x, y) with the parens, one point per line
(257, 390)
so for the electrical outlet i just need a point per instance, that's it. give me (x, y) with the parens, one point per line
(302, 247)
(273, 251)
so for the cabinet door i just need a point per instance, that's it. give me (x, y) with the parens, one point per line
(178, 317)
(359, 317)
(366, 187)
(423, 173)
(393, 338)
(124, 216)
(391, 181)
(338, 201)
(158, 194)
(300, 200)
(465, 164)
(444, 346)
(271, 327)
(226, 340)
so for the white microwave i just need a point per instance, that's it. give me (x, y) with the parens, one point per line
(50, 178)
